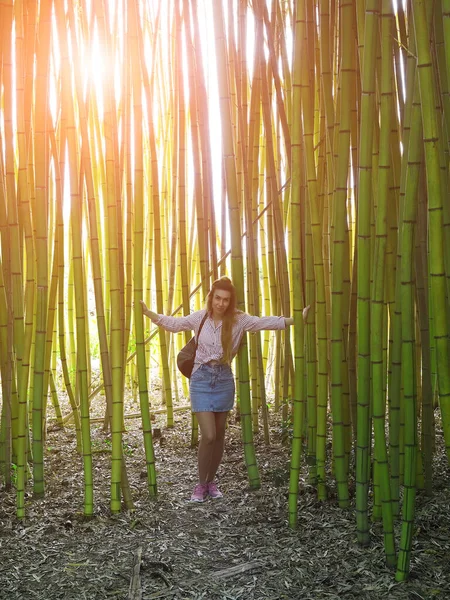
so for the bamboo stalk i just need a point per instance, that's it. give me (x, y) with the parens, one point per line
(236, 252)
(364, 266)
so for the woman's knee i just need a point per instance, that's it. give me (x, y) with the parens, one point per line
(207, 426)
(220, 435)
(208, 436)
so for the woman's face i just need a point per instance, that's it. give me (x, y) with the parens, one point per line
(220, 303)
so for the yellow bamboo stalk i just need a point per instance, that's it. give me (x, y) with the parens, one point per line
(115, 266)
(15, 285)
(40, 220)
(237, 271)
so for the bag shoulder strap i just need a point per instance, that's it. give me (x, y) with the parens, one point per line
(199, 329)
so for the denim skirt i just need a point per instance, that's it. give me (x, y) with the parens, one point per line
(211, 388)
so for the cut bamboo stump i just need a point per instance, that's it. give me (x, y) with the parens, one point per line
(135, 591)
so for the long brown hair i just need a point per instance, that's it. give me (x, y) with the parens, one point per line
(229, 316)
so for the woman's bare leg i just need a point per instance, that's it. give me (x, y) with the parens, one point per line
(207, 424)
(217, 450)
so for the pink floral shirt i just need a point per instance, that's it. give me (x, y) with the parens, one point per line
(210, 341)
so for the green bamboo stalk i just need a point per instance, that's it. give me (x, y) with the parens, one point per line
(55, 400)
(237, 261)
(349, 422)
(364, 267)
(312, 410)
(326, 73)
(279, 234)
(410, 123)
(40, 216)
(15, 289)
(205, 142)
(59, 233)
(52, 305)
(95, 238)
(440, 26)
(25, 198)
(339, 225)
(180, 147)
(437, 279)
(297, 212)
(26, 192)
(390, 299)
(442, 84)
(157, 263)
(6, 375)
(256, 366)
(276, 78)
(138, 277)
(116, 289)
(201, 214)
(97, 195)
(79, 286)
(259, 238)
(325, 142)
(378, 307)
(408, 352)
(128, 205)
(352, 345)
(6, 357)
(435, 203)
(70, 298)
(316, 230)
(423, 305)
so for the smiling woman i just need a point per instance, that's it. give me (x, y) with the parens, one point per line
(219, 329)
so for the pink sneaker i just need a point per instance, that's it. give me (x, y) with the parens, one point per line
(213, 490)
(200, 492)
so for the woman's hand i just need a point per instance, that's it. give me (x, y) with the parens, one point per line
(305, 313)
(290, 320)
(145, 310)
(154, 317)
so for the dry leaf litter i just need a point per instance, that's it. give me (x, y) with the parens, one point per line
(237, 547)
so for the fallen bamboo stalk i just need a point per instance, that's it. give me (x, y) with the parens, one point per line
(222, 574)
(154, 412)
(137, 415)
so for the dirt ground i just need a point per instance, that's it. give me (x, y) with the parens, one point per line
(237, 547)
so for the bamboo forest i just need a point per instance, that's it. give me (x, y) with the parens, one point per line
(299, 147)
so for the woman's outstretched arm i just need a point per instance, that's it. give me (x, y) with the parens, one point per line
(149, 313)
(174, 324)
